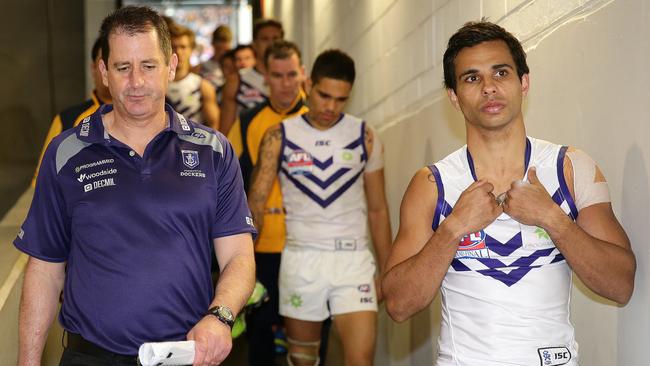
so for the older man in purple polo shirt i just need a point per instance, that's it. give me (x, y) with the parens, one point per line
(131, 201)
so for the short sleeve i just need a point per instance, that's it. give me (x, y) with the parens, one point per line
(45, 234)
(233, 216)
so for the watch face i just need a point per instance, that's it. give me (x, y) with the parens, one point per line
(225, 313)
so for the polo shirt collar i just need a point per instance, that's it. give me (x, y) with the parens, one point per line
(91, 129)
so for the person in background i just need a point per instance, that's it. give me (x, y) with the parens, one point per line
(330, 166)
(244, 57)
(211, 70)
(72, 116)
(246, 89)
(190, 94)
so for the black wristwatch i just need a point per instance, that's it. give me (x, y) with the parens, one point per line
(222, 313)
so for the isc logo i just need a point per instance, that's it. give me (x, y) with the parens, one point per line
(554, 356)
(322, 142)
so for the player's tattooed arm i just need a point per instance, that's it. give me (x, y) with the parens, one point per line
(264, 173)
(368, 138)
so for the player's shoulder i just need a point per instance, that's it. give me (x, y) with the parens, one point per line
(70, 114)
(422, 190)
(247, 115)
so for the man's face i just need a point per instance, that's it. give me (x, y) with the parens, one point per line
(284, 78)
(244, 58)
(488, 90)
(327, 99)
(220, 47)
(265, 37)
(182, 46)
(136, 74)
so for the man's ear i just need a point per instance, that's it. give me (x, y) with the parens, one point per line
(173, 62)
(453, 98)
(525, 84)
(104, 71)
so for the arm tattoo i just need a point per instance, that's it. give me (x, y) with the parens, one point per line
(367, 136)
(264, 172)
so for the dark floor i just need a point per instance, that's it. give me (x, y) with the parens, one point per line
(239, 355)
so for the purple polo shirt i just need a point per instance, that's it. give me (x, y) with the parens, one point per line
(136, 232)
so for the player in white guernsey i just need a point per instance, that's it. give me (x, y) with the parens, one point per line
(190, 94)
(498, 226)
(330, 167)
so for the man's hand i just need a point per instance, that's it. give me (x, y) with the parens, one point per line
(529, 203)
(475, 209)
(213, 341)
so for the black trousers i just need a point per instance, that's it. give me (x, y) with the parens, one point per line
(80, 352)
(259, 323)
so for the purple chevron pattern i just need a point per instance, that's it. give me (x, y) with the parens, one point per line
(323, 165)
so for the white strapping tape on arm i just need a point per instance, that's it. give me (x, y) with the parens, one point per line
(587, 191)
(376, 157)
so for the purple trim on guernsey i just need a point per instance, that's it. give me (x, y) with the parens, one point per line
(441, 197)
(564, 189)
(364, 156)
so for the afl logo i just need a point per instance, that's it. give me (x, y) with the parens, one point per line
(472, 241)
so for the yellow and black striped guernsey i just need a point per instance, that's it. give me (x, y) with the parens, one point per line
(68, 118)
(246, 137)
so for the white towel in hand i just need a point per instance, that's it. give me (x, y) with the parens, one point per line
(166, 353)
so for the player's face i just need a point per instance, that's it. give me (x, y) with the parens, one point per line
(137, 75)
(244, 58)
(220, 47)
(182, 47)
(265, 37)
(488, 91)
(327, 99)
(284, 78)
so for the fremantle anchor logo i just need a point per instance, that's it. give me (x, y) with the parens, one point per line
(190, 158)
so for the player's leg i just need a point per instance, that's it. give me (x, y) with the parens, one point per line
(353, 304)
(303, 303)
(358, 333)
(303, 337)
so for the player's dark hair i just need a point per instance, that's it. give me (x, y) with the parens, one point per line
(334, 64)
(132, 20)
(244, 47)
(263, 23)
(474, 33)
(281, 50)
(222, 34)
